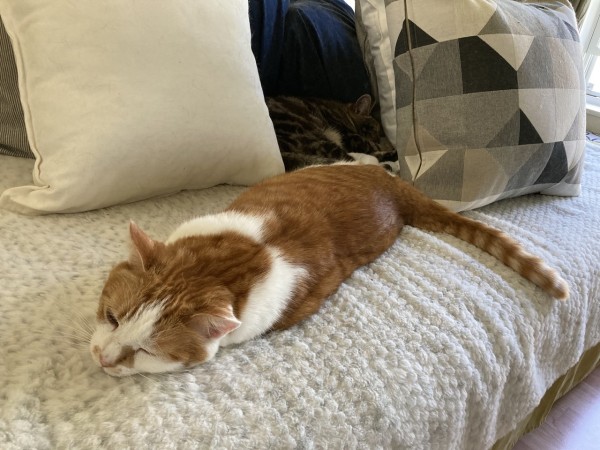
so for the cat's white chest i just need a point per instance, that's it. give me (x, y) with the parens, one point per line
(267, 299)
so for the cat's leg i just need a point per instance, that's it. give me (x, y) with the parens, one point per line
(295, 161)
(372, 153)
(385, 152)
(308, 303)
(360, 159)
(363, 159)
(391, 166)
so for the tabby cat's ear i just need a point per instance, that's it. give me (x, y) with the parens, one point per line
(363, 105)
(143, 248)
(214, 326)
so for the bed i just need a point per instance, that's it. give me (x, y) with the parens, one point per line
(433, 346)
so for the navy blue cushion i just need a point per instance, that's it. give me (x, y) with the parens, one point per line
(307, 48)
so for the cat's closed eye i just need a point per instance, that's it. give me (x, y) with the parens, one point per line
(111, 319)
(369, 131)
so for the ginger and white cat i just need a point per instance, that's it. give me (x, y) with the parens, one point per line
(267, 262)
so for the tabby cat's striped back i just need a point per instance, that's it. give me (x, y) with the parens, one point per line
(317, 131)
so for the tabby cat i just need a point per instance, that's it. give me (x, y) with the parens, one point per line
(316, 131)
(267, 262)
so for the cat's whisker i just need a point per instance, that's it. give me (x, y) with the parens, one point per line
(72, 339)
(84, 323)
(151, 380)
(56, 331)
(76, 335)
(83, 336)
(80, 346)
(75, 327)
(148, 378)
(87, 326)
(74, 332)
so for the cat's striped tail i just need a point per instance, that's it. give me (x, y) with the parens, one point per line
(498, 244)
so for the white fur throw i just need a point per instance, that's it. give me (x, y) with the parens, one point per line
(436, 345)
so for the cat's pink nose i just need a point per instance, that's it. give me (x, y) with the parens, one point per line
(104, 362)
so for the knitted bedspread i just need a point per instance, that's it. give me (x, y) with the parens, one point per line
(435, 345)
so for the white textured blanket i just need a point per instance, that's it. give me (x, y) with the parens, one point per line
(433, 346)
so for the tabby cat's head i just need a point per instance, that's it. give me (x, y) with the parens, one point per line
(351, 118)
(360, 117)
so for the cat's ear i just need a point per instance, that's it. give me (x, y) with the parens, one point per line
(143, 248)
(363, 105)
(214, 326)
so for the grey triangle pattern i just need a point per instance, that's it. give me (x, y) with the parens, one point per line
(532, 168)
(513, 157)
(467, 121)
(451, 163)
(509, 134)
(501, 117)
(443, 61)
(403, 77)
(537, 69)
(574, 51)
(574, 133)
(573, 177)
(503, 21)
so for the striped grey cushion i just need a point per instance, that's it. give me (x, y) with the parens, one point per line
(488, 98)
(13, 135)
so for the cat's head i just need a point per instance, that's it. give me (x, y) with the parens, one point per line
(363, 122)
(350, 118)
(156, 314)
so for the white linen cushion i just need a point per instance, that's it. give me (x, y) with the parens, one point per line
(374, 38)
(129, 100)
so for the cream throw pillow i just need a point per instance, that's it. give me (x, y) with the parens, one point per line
(126, 100)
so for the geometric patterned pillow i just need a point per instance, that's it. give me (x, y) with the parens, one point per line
(488, 96)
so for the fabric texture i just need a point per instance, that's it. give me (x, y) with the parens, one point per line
(128, 100)
(589, 362)
(435, 345)
(13, 135)
(489, 97)
(308, 48)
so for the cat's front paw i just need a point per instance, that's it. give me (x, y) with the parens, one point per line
(364, 159)
(391, 166)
